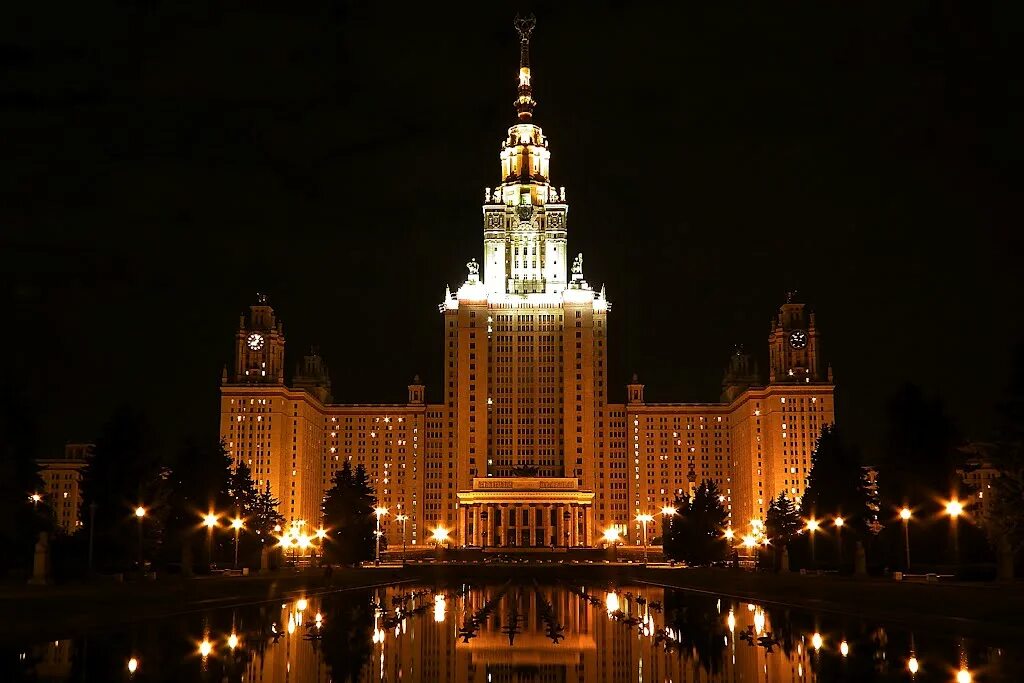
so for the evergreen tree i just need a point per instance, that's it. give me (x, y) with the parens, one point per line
(124, 472)
(199, 485)
(242, 491)
(782, 523)
(349, 516)
(21, 518)
(1006, 502)
(264, 516)
(694, 534)
(835, 483)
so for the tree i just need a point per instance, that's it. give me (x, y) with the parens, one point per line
(264, 516)
(835, 484)
(199, 484)
(694, 534)
(242, 491)
(124, 472)
(1006, 503)
(349, 516)
(782, 523)
(21, 519)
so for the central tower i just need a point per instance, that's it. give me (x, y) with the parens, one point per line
(526, 337)
(524, 217)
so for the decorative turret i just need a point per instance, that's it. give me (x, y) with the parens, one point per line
(740, 375)
(635, 392)
(259, 346)
(312, 375)
(525, 102)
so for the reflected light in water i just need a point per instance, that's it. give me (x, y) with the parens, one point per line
(732, 622)
(205, 648)
(816, 641)
(844, 648)
(912, 664)
(133, 665)
(611, 602)
(439, 607)
(963, 676)
(301, 604)
(291, 624)
(233, 640)
(759, 621)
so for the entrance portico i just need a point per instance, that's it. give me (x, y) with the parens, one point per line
(529, 512)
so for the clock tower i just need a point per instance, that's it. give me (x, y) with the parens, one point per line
(259, 346)
(794, 354)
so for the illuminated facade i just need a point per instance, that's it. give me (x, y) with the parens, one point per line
(525, 449)
(62, 478)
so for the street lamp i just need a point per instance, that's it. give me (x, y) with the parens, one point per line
(209, 521)
(140, 512)
(905, 516)
(403, 519)
(35, 498)
(236, 524)
(644, 519)
(611, 537)
(954, 509)
(321, 534)
(839, 522)
(440, 535)
(380, 512)
(812, 526)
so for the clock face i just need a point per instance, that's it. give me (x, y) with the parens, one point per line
(255, 341)
(798, 339)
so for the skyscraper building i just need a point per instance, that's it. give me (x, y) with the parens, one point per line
(524, 448)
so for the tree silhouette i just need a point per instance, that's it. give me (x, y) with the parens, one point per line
(694, 533)
(349, 516)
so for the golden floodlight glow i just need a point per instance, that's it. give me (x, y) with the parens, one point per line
(813, 525)
(668, 510)
(236, 523)
(844, 648)
(303, 541)
(840, 521)
(439, 608)
(905, 514)
(210, 520)
(36, 497)
(912, 665)
(954, 509)
(963, 676)
(731, 621)
(321, 533)
(380, 512)
(133, 665)
(729, 533)
(611, 535)
(233, 640)
(611, 602)
(277, 528)
(205, 648)
(749, 541)
(140, 512)
(440, 535)
(301, 604)
(644, 518)
(816, 640)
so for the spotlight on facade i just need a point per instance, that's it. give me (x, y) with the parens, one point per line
(440, 535)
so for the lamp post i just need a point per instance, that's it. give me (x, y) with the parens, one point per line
(321, 534)
(439, 536)
(209, 521)
(611, 537)
(403, 519)
(140, 513)
(236, 524)
(35, 498)
(954, 509)
(839, 522)
(380, 512)
(644, 519)
(905, 516)
(812, 526)
(92, 531)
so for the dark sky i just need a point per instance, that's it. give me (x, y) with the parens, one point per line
(163, 161)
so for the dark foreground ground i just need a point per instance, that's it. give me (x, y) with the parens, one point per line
(63, 611)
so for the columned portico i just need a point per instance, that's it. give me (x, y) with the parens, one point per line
(525, 512)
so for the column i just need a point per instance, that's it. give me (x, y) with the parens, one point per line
(531, 512)
(462, 525)
(547, 523)
(491, 523)
(589, 526)
(476, 524)
(573, 526)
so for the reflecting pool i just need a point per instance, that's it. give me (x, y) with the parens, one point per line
(510, 632)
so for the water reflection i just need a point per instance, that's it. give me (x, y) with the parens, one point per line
(509, 632)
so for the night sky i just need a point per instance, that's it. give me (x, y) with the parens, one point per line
(164, 161)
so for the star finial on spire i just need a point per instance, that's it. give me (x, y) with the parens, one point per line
(525, 102)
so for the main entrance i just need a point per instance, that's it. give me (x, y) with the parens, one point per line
(526, 512)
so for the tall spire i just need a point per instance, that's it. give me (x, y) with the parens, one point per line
(525, 102)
